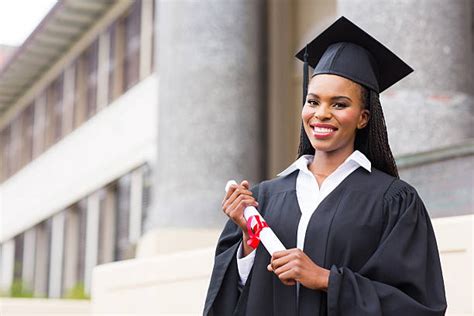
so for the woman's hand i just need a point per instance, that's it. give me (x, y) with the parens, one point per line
(237, 198)
(293, 265)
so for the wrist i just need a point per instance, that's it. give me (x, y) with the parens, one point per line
(246, 249)
(324, 279)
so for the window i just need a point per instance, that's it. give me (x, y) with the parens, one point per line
(116, 58)
(54, 100)
(80, 90)
(5, 153)
(91, 63)
(123, 248)
(132, 45)
(15, 145)
(28, 122)
(39, 125)
(18, 267)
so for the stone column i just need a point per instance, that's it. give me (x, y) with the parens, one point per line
(29, 255)
(7, 264)
(92, 238)
(431, 108)
(107, 230)
(430, 113)
(103, 71)
(57, 255)
(211, 72)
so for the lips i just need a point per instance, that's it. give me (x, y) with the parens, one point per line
(322, 131)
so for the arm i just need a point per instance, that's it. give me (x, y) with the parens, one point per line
(223, 292)
(403, 276)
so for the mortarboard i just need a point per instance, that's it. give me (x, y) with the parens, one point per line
(346, 50)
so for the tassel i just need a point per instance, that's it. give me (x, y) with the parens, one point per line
(305, 74)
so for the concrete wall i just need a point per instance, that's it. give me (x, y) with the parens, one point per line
(166, 284)
(119, 138)
(177, 283)
(36, 306)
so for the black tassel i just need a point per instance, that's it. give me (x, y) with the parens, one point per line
(305, 74)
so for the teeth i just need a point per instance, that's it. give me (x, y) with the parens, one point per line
(322, 130)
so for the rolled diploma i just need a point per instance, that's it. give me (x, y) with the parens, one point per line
(267, 236)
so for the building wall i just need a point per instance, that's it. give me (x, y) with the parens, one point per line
(117, 140)
(76, 151)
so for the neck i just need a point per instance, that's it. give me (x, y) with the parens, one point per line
(324, 163)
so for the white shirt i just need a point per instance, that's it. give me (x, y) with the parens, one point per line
(309, 195)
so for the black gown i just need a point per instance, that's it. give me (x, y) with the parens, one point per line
(372, 232)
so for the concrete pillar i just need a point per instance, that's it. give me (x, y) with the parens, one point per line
(92, 238)
(71, 249)
(29, 254)
(146, 41)
(210, 62)
(103, 71)
(429, 114)
(432, 107)
(107, 231)
(7, 265)
(57, 255)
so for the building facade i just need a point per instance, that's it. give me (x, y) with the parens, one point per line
(186, 95)
(77, 142)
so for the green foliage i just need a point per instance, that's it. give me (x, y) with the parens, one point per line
(77, 292)
(20, 289)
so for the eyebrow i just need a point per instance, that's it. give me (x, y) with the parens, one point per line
(332, 98)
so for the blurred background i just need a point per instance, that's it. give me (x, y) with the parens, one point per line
(121, 121)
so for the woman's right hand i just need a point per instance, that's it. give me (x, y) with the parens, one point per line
(237, 198)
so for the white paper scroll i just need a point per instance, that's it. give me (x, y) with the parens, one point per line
(267, 236)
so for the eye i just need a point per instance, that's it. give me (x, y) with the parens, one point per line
(340, 105)
(312, 102)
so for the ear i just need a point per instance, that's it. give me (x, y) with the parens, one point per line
(363, 119)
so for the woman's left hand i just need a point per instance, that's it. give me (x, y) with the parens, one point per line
(293, 265)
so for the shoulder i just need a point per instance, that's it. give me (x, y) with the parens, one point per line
(400, 189)
(403, 200)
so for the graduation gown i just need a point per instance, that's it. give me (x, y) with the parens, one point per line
(372, 232)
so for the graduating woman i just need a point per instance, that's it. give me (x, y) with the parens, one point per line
(359, 240)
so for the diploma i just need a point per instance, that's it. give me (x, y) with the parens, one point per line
(259, 229)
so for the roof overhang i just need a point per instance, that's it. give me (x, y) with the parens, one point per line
(66, 22)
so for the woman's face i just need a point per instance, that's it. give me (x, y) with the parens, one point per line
(333, 112)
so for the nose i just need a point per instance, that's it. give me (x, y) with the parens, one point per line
(322, 112)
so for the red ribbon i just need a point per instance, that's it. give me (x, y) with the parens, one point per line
(254, 234)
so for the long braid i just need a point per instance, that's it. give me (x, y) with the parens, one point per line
(372, 140)
(305, 147)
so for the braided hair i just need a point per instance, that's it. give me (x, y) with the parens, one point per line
(372, 140)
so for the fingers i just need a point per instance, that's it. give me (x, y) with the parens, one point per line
(237, 198)
(236, 210)
(234, 191)
(287, 277)
(286, 265)
(286, 273)
(294, 265)
(280, 258)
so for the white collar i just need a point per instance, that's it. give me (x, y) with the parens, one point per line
(302, 163)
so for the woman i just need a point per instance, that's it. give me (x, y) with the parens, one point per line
(359, 239)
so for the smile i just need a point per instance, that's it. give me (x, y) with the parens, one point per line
(323, 130)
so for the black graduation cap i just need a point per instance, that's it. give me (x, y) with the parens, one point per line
(346, 50)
